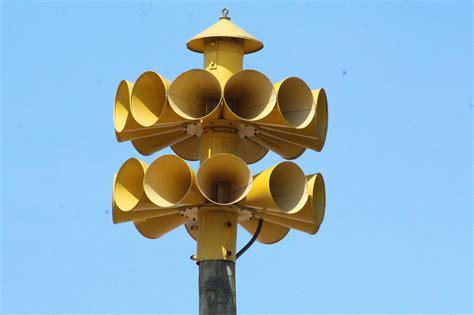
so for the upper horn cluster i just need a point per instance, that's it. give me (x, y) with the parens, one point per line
(287, 117)
(167, 193)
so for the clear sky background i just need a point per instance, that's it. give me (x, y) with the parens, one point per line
(397, 235)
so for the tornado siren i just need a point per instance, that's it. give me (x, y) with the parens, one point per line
(225, 117)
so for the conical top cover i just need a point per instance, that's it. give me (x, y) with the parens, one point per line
(225, 28)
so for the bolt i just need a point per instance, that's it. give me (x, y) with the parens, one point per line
(228, 224)
(228, 253)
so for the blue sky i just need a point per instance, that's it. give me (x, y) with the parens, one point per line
(397, 235)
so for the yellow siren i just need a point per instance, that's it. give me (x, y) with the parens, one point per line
(126, 127)
(224, 179)
(196, 94)
(307, 219)
(269, 234)
(281, 188)
(312, 136)
(157, 227)
(149, 98)
(285, 149)
(119, 216)
(170, 182)
(248, 96)
(294, 107)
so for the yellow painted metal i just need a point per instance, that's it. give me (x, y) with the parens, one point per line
(128, 192)
(170, 182)
(150, 145)
(217, 237)
(126, 127)
(149, 98)
(224, 179)
(196, 94)
(285, 149)
(224, 29)
(246, 149)
(119, 216)
(251, 152)
(306, 227)
(310, 217)
(248, 96)
(193, 229)
(313, 211)
(129, 107)
(295, 107)
(122, 118)
(218, 140)
(270, 233)
(313, 136)
(188, 149)
(281, 188)
(157, 227)
(223, 57)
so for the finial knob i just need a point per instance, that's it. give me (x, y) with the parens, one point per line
(225, 11)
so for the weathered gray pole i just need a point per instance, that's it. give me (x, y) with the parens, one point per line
(217, 287)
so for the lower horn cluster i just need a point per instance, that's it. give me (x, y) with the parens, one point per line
(168, 193)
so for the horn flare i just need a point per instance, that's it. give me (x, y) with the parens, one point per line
(157, 227)
(128, 191)
(224, 179)
(248, 95)
(196, 94)
(281, 188)
(170, 182)
(149, 98)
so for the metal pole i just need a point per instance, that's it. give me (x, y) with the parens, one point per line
(218, 226)
(217, 287)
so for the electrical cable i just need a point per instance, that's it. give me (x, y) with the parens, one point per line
(252, 240)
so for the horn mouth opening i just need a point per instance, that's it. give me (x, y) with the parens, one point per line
(295, 100)
(288, 186)
(129, 184)
(224, 179)
(250, 95)
(122, 105)
(321, 114)
(195, 94)
(167, 180)
(318, 198)
(148, 98)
